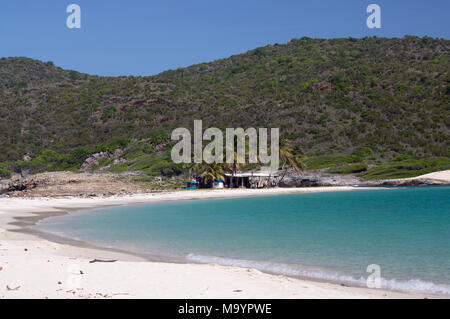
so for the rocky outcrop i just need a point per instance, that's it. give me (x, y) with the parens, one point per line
(317, 178)
(299, 181)
(19, 185)
(71, 184)
(94, 159)
(118, 153)
(4, 184)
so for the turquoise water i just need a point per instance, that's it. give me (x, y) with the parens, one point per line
(330, 236)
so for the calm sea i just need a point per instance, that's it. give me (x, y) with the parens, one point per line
(328, 236)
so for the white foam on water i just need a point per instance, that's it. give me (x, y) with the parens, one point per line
(410, 286)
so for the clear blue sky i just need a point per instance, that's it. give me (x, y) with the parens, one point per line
(145, 37)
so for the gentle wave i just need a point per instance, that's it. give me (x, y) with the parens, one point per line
(410, 286)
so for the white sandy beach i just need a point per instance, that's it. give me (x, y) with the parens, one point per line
(32, 267)
(443, 176)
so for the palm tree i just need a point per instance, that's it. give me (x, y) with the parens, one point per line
(195, 170)
(235, 166)
(289, 160)
(212, 172)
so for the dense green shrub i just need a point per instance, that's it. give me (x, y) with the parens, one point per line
(118, 168)
(5, 170)
(348, 169)
(407, 168)
(77, 156)
(339, 81)
(137, 149)
(159, 136)
(108, 113)
(113, 145)
(363, 152)
(325, 161)
(402, 157)
(49, 160)
(166, 168)
(102, 163)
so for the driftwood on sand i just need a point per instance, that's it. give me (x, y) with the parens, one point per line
(9, 288)
(101, 261)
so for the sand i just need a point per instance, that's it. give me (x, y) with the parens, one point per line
(443, 176)
(436, 178)
(33, 267)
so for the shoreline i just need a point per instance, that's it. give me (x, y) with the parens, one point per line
(16, 214)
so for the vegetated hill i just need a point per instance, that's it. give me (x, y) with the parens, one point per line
(332, 97)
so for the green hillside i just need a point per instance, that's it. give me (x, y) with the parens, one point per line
(334, 98)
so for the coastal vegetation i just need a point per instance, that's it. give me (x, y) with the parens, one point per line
(375, 107)
(348, 169)
(407, 168)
